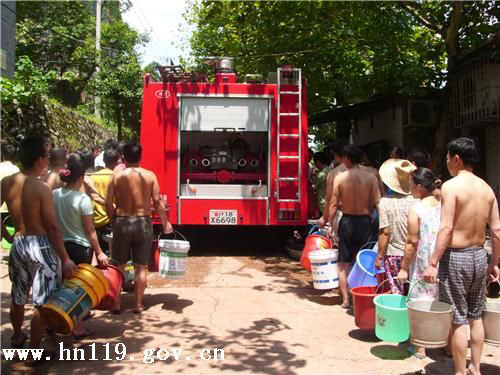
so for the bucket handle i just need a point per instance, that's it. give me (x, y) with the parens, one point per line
(7, 217)
(379, 285)
(368, 244)
(175, 232)
(408, 296)
(314, 229)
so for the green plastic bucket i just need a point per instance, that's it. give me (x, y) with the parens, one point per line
(391, 320)
(6, 245)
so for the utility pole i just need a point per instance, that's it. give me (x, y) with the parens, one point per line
(98, 53)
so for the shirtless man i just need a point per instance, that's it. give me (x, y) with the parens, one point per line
(358, 191)
(57, 161)
(338, 154)
(468, 204)
(132, 190)
(38, 249)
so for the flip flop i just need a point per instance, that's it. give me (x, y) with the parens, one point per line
(87, 333)
(345, 306)
(411, 349)
(138, 309)
(91, 314)
(21, 343)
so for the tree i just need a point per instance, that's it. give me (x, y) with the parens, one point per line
(119, 82)
(349, 51)
(459, 25)
(60, 36)
(345, 57)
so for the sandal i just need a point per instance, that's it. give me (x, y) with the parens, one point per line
(411, 349)
(91, 314)
(345, 306)
(21, 343)
(139, 309)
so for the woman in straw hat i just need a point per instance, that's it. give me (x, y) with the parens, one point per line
(393, 219)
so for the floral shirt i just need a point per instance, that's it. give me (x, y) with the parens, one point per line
(429, 219)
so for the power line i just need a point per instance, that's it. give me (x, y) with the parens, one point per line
(153, 33)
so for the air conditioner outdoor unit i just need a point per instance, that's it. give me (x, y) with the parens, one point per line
(421, 113)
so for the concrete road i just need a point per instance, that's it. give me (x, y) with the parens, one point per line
(242, 295)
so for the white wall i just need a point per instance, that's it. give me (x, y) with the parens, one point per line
(387, 125)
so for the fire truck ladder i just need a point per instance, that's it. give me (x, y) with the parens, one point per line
(287, 76)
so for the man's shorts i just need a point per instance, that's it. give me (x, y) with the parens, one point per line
(463, 273)
(132, 238)
(354, 232)
(33, 264)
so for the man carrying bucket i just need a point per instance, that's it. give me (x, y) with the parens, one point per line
(128, 205)
(468, 205)
(358, 191)
(38, 248)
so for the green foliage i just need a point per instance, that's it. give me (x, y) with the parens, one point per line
(60, 36)
(349, 51)
(119, 82)
(28, 84)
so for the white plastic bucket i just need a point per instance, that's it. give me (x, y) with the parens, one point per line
(173, 258)
(324, 268)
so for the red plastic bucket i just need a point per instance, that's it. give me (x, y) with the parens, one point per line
(364, 308)
(313, 242)
(154, 263)
(115, 278)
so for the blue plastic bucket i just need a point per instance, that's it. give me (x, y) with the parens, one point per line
(363, 272)
(391, 318)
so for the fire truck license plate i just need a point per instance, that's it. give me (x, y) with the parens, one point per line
(223, 217)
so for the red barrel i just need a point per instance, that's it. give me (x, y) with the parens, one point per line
(115, 278)
(313, 242)
(364, 308)
(154, 263)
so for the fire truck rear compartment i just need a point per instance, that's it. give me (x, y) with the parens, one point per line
(224, 163)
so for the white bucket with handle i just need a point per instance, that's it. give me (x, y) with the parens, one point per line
(173, 257)
(324, 268)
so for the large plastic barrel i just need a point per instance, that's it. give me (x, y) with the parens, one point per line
(72, 301)
(66, 307)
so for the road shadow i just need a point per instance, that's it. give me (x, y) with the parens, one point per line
(363, 335)
(390, 352)
(445, 368)
(255, 347)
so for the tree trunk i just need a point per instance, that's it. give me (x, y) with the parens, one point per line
(445, 131)
(119, 123)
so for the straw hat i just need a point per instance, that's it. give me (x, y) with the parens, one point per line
(395, 173)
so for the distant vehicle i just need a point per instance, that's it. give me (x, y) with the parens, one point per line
(228, 153)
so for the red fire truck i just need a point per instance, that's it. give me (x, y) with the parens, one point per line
(228, 153)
